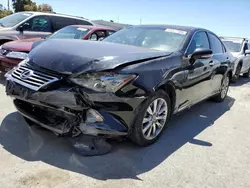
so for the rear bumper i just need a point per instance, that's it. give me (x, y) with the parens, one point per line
(8, 63)
(64, 111)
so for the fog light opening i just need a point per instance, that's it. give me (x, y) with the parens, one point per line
(92, 116)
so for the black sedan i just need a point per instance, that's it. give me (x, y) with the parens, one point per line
(127, 85)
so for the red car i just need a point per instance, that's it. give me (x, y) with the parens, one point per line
(12, 53)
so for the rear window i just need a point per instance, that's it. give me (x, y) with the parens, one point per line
(61, 22)
(82, 22)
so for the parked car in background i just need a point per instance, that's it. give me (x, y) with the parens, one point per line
(12, 53)
(24, 25)
(127, 85)
(240, 49)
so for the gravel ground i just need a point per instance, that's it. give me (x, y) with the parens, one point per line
(205, 146)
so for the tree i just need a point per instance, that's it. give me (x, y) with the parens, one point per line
(18, 5)
(5, 12)
(45, 8)
(30, 7)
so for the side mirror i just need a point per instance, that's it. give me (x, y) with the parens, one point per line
(23, 27)
(200, 53)
(247, 52)
(20, 29)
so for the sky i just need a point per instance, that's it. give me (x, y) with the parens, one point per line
(224, 17)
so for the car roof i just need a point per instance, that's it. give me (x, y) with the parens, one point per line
(56, 14)
(184, 28)
(93, 27)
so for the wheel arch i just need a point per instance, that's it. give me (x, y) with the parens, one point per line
(2, 41)
(170, 89)
(230, 72)
(240, 62)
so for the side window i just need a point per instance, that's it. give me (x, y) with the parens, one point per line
(97, 35)
(38, 23)
(216, 45)
(82, 22)
(60, 22)
(199, 40)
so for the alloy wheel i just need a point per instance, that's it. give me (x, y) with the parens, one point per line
(154, 118)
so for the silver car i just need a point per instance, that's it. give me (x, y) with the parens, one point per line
(240, 49)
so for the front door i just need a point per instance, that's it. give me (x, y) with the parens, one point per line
(197, 84)
(38, 26)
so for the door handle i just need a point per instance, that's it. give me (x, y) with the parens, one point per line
(211, 63)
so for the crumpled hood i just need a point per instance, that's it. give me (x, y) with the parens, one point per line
(20, 45)
(69, 56)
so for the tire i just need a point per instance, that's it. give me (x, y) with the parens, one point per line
(247, 74)
(155, 125)
(223, 90)
(236, 76)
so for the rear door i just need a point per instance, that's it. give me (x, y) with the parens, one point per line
(220, 60)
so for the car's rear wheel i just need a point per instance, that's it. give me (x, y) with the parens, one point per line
(247, 74)
(150, 119)
(236, 76)
(223, 90)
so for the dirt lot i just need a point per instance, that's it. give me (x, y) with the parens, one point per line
(206, 146)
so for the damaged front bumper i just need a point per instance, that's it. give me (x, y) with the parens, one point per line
(65, 112)
(69, 110)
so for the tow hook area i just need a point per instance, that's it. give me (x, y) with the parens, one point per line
(90, 145)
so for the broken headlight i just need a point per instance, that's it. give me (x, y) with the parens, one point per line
(103, 82)
(17, 55)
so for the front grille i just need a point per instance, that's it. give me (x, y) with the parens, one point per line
(32, 79)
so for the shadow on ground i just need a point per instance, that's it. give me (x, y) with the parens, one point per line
(240, 82)
(126, 160)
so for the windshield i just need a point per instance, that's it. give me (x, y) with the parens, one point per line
(70, 32)
(233, 45)
(147, 37)
(12, 20)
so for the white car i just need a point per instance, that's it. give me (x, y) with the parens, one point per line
(240, 49)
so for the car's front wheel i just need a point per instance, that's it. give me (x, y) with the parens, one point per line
(223, 90)
(150, 119)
